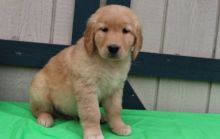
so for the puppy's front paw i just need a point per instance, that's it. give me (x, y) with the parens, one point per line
(45, 119)
(122, 130)
(94, 137)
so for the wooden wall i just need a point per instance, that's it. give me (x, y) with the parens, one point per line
(48, 21)
(179, 27)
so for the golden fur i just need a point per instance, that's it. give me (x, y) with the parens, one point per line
(79, 77)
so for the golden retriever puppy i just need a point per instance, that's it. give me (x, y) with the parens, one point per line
(90, 72)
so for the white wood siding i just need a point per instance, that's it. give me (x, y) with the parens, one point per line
(183, 27)
(48, 21)
(25, 20)
(214, 105)
(190, 31)
(152, 31)
(63, 21)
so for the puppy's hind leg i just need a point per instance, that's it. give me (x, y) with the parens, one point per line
(41, 105)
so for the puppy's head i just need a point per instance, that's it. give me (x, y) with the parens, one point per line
(114, 32)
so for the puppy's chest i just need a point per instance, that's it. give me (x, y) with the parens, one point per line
(109, 82)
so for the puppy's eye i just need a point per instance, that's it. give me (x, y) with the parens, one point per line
(104, 29)
(125, 31)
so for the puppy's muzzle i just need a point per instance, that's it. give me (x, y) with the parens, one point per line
(113, 50)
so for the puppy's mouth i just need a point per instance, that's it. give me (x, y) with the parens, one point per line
(113, 56)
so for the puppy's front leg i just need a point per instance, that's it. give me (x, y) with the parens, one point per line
(113, 106)
(88, 108)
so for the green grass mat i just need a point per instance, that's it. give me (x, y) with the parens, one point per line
(16, 122)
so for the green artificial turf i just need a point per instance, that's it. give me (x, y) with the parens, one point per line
(17, 122)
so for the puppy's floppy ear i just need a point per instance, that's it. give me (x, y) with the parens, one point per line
(89, 35)
(138, 41)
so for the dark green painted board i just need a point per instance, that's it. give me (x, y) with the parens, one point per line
(27, 54)
(120, 2)
(130, 99)
(147, 64)
(83, 10)
(173, 66)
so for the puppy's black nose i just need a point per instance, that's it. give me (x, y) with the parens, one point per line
(113, 48)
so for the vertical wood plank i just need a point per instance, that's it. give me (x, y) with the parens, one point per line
(146, 90)
(14, 83)
(214, 106)
(63, 21)
(190, 27)
(178, 95)
(151, 14)
(217, 52)
(25, 20)
(103, 3)
(190, 31)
